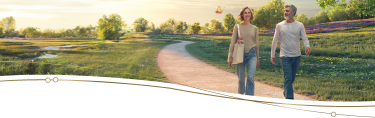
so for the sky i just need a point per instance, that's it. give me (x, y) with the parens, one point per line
(67, 14)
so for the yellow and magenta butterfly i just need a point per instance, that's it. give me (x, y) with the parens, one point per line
(219, 10)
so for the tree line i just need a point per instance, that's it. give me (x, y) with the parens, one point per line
(7, 29)
(266, 17)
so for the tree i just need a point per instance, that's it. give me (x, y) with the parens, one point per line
(171, 22)
(152, 26)
(206, 29)
(351, 11)
(109, 27)
(70, 33)
(363, 7)
(181, 27)
(337, 15)
(31, 32)
(157, 30)
(20, 32)
(81, 32)
(303, 19)
(164, 25)
(167, 30)
(229, 22)
(75, 30)
(267, 16)
(260, 15)
(91, 31)
(140, 24)
(11, 33)
(189, 29)
(216, 26)
(275, 7)
(48, 33)
(60, 32)
(1, 31)
(322, 17)
(8, 23)
(196, 28)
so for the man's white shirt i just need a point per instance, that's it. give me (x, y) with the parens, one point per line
(289, 34)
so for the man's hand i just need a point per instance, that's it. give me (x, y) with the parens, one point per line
(307, 51)
(273, 60)
(230, 64)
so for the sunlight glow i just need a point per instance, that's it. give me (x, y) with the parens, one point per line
(20, 14)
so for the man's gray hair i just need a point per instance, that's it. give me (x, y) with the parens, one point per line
(294, 8)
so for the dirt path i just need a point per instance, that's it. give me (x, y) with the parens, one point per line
(181, 67)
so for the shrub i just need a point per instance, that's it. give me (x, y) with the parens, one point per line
(167, 30)
(157, 30)
(148, 31)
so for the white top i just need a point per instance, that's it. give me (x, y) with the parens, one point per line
(289, 34)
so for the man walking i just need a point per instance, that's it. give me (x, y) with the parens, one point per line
(289, 32)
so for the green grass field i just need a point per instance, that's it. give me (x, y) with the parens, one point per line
(134, 59)
(340, 68)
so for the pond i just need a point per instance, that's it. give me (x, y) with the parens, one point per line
(52, 48)
(56, 48)
(46, 56)
(66, 46)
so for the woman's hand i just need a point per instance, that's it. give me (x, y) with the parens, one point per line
(230, 63)
(257, 63)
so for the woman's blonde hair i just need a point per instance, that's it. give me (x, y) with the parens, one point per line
(240, 17)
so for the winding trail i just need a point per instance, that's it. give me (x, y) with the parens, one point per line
(180, 67)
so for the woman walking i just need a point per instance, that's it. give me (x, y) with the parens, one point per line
(249, 36)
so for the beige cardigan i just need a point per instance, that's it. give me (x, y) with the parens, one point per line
(250, 38)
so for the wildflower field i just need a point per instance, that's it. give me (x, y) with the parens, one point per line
(333, 26)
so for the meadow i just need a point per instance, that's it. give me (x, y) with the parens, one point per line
(134, 59)
(341, 66)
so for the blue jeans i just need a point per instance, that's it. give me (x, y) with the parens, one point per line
(290, 68)
(250, 60)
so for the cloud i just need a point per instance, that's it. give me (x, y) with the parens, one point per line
(17, 7)
(5, 9)
(29, 15)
